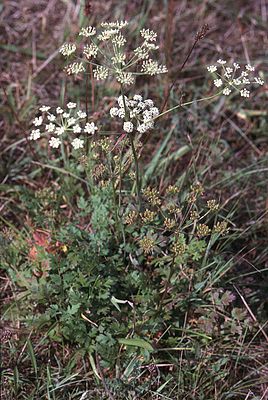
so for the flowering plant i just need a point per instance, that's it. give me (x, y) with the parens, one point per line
(232, 80)
(106, 48)
(61, 124)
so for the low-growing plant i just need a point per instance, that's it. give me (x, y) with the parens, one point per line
(128, 271)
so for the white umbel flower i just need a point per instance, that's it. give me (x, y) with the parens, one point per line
(59, 130)
(107, 34)
(77, 129)
(122, 101)
(128, 127)
(259, 81)
(141, 114)
(90, 50)
(59, 110)
(245, 93)
(236, 66)
(114, 112)
(90, 128)
(125, 78)
(71, 105)
(137, 97)
(67, 49)
(237, 81)
(44, 108)
(119, 40)
(250, 68)
(226, 91)
(121, 113)
(50, 127)
(81, 114)
(117, 24)
(38, 121)
(142, 128)
(149, 36)
(54, 142)
(152, 67)
(100, 72)
(75, 68)
(154, 111)
(221, 62)
(217, 82)
(51, 117)
(78, 143)
(212, 68)
(88, 31)
(71, 121)
(35, 134)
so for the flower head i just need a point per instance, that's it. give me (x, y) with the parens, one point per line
(88, 31)
(67, 49)
(90, 128)
(151, 67)
(128, 127)
(75, 68)
(35, 134)
(90, 50)
(218, 82)
(100, 72)
(44, 108)
(212, 68)
(232, 79)
(250, 68)
(77, 129)
(119, 64)
(71, 105)
(141, 113)
(50, 127)
(226, 91)
(54, 142)
(78, 143)
(62, 123)
(149, 36)
(245, 93)
(38, 121)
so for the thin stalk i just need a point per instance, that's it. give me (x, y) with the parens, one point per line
(188, 103)
(171, 271)
(138, 183)
(137, 174)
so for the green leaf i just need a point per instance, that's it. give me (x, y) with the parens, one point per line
(137, 342)
(93, 365)
(32, 355)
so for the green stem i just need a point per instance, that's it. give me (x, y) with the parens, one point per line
(138, 183)
(188, 103)
(137, 174)
(171, 271)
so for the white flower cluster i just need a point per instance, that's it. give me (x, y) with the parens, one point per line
(108, 44)
(67, 49)
(88, 31)
(138, 114)
(151, 67)
(75, 68)
(68, 121)
(231, 79)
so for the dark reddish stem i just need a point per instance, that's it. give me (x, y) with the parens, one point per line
(200, 35)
